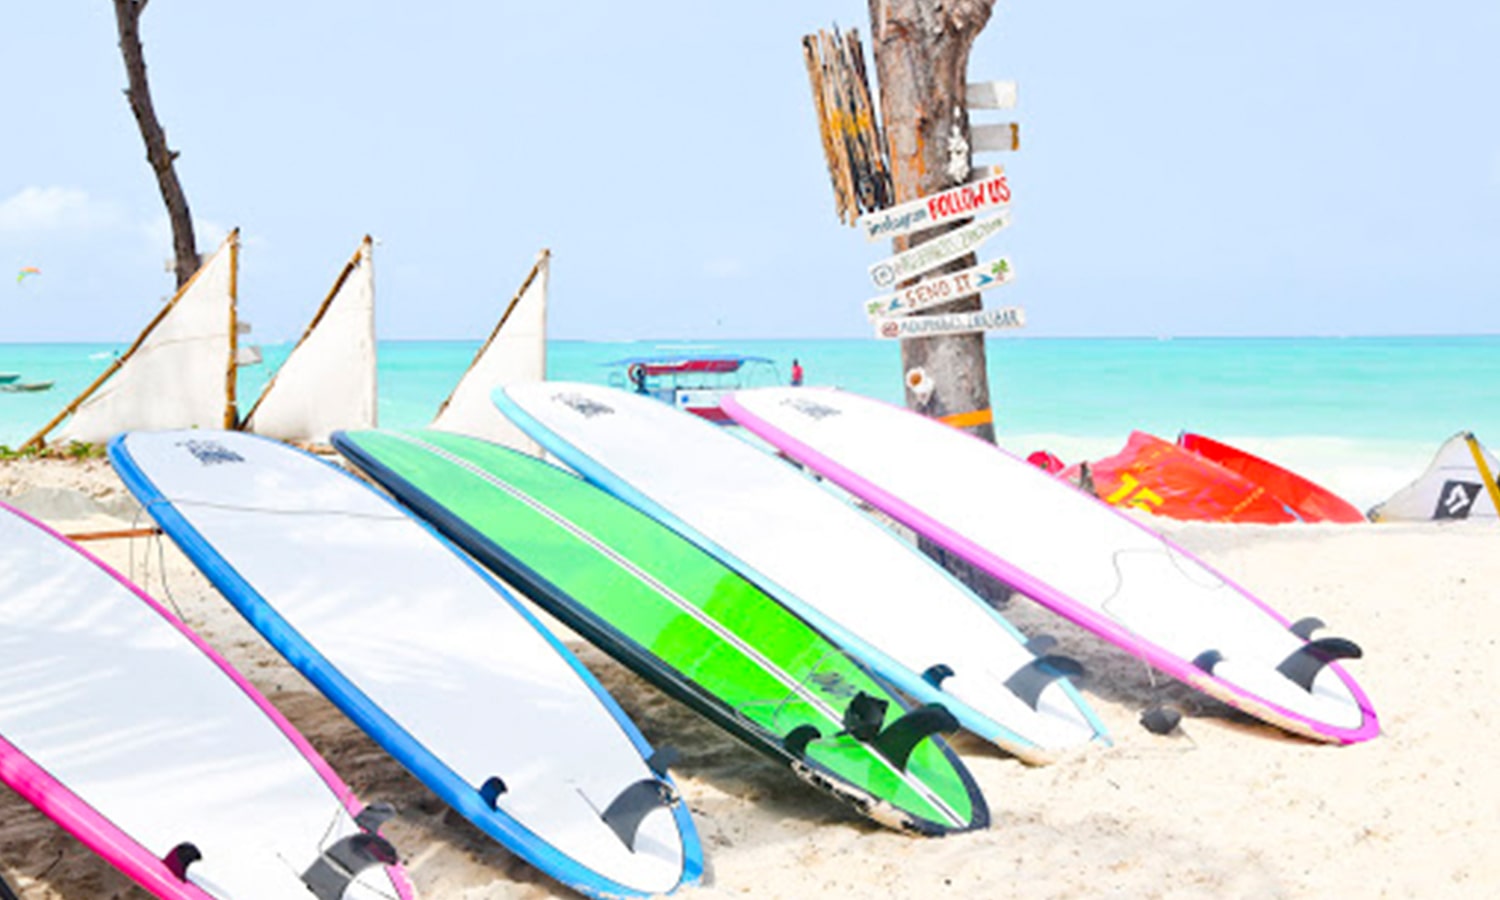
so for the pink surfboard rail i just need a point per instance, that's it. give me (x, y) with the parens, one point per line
(96, 831)
(991, 561)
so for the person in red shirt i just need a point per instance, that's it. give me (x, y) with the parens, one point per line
(796, 373)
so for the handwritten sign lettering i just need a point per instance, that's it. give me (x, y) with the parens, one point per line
(955, 323)
(936, 252)
(990, 192)
(932, 291)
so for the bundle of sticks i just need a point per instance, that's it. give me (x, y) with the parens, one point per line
(858, 162)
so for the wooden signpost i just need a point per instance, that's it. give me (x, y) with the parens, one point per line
(989, 192)
(952, 323)
(990, 95)
(1003, 138)
(943, 289)
(938, 251)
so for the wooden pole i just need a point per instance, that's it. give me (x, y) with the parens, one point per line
(921, 58)
(231, 380)
(84, 536)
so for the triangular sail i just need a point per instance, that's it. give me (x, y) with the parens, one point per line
(328, 380)
(180, 371)
(1458, 484)
(516, 352)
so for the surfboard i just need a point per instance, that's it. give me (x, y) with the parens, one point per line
(131, 733)
(683, 621)
(872, 593)
(1073, 554)
(425, 652)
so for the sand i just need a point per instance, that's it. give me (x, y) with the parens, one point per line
(1224, 807)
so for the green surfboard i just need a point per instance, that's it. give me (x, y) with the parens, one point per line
(683, 621)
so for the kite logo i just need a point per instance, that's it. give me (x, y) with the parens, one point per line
(1456, 499)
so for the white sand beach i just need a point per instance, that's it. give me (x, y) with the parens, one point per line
(1226, 807)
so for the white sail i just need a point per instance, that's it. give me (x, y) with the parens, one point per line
(1459, 484)
(328, 381)
(516, 352)
(179, 373)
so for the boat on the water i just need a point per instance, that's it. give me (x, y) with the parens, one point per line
(8, 377)
(21, 387)
(695, 383)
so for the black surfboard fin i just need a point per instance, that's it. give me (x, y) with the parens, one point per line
(1160, 719)
(180, 857)
(1041, 644)
(626, 812)
(491, 790)
(663, 759)
(798, 738)
(935, 674)
(1207, 660)
(1303, 628)
(1030, 680)
(337, 867)
(375, 815)
(902, 736)
(863, 717)
(1304, 663)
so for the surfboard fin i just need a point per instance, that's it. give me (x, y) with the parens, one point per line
(1030, 680)
(798, 738)
(935, 674)
(180, 857)
(372, 817)
(863, 717)
(1041, 644)
(662, 759)
(1303, 628)
(491, 790)
(1304, 663)
(898, 740)
(333, 871)
(626, 812)
(1207, 660)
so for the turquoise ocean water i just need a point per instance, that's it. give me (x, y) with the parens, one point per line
(1360, 415)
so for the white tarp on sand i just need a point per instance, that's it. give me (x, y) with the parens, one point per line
(328, 381)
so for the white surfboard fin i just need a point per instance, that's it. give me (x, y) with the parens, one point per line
(863, 717)
(935, 674)
(180, 857)
(491, 790)
(337, 867)
(798, 738)
(1303, 628)
(902, 736)
(1304, 664)
(1030, 680)
(626, 812)
(372, 817)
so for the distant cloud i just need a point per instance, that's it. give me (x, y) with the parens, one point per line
(56, 209)
(724, 267)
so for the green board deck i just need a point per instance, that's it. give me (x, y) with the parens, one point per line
(683, 621)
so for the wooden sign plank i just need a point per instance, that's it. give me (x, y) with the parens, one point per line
(933, 291)
(989, 192)
(1002, 138)
(936, 252)
(953, 323)
(990, 95)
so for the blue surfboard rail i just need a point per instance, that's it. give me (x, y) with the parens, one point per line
(454, 790)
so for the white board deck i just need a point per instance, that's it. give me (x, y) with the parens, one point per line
(1066, 550)
(153, 736)
(425, 651)
(850, 577)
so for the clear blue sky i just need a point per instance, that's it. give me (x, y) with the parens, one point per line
(1187, 168)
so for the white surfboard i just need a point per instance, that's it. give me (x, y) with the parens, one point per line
(129, 732)
(873, 594)
(1082, 559)
(424, 651)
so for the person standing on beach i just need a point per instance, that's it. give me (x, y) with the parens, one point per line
(796, 374)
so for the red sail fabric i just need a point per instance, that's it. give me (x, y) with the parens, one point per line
(1308, 501)
(1166, 480)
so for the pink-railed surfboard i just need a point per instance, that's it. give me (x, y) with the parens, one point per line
(132, 734)
(1071, 553)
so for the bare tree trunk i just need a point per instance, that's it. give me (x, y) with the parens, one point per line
(922, 58)
(127, 16)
